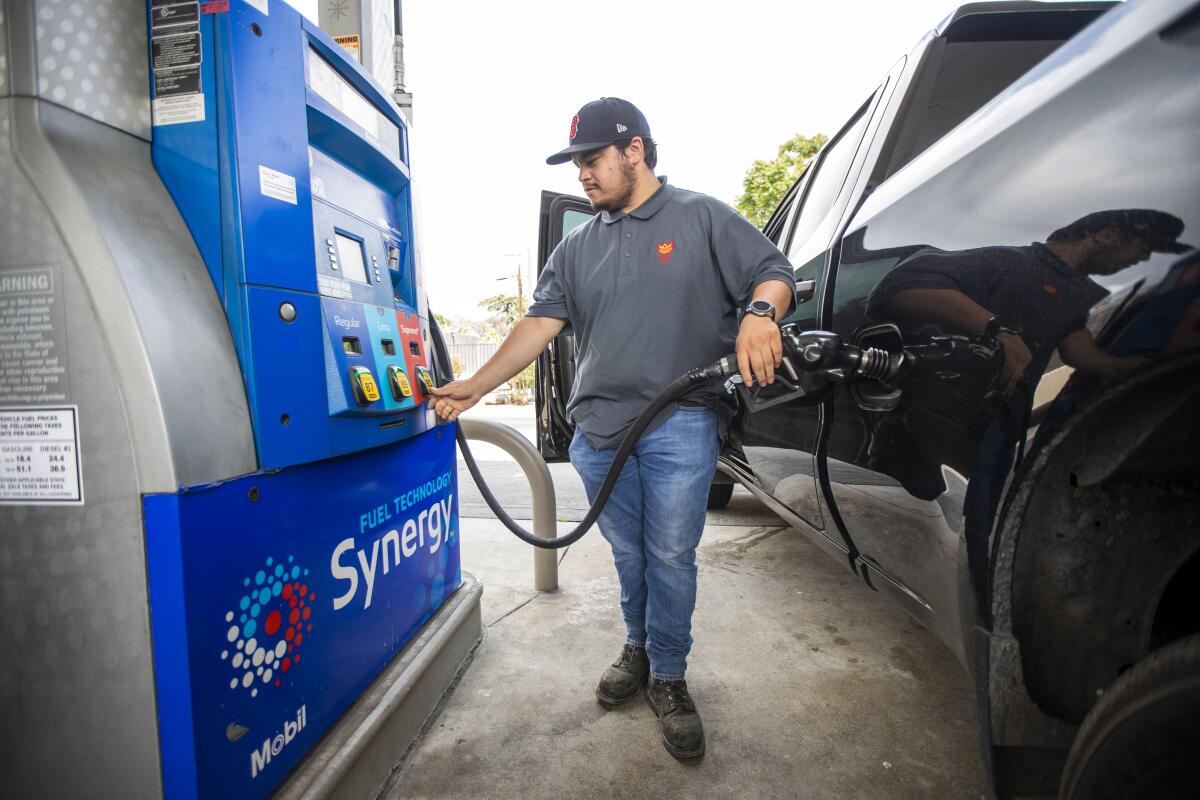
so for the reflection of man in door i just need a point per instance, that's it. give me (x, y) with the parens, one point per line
(1034, 300)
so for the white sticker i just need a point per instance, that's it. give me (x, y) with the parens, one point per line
(261, 5)
(329, 286)
(39, 456)
(179, 109)
(318, 186)
(277, 184)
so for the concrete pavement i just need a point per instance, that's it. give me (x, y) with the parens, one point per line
(810, 684)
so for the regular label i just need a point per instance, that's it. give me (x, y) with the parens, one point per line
(39, 456)
(33, 341)
(279, 185)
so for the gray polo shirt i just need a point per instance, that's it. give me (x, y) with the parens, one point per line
(650, 295)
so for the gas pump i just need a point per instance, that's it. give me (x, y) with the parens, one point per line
(290, 167)
(224, 505)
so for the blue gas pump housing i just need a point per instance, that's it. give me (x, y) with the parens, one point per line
(291, 168)
(277, 597)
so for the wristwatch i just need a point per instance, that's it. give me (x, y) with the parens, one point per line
(761, 308)
(995, 327)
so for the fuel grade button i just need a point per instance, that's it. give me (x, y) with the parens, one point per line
(398, 380)
(366, 390)
(425, 379)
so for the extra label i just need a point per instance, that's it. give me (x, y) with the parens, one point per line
(279, 185)
(39, 456)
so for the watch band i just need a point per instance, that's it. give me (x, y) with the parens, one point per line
(995, 327)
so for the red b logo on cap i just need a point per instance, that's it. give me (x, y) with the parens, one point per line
(574, 126)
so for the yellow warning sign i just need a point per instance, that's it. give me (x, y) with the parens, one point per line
(352, 44)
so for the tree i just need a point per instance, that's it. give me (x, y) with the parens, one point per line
(509, 307)
(766, 182)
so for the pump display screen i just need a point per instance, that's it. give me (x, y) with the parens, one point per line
(350, 253)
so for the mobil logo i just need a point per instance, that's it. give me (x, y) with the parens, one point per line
(268, 625)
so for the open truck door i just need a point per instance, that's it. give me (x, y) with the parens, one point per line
(560, 214)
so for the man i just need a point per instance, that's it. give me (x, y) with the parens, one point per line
(651, 286)
(1034, 300)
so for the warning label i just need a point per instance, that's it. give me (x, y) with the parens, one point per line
(173, 110)
(352, 44)
(279, 185)
(177, 51)
(39, 456)
(33, 354)
(174, 52)
(162, 16)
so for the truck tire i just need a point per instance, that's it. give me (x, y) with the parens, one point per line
(1142, 738)
(719, 495)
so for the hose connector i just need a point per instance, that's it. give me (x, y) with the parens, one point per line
(721, 368)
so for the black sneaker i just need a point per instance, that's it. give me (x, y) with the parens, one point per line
(621, 682)
(678, 721)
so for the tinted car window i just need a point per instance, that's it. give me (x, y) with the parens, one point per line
(819, 213)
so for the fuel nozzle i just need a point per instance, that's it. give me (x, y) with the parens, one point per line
(826, 353)
(812, 362)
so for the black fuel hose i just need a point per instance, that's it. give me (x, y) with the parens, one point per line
(718, 369)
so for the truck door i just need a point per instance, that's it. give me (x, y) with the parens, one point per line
(899, 474)
(780, 442)
(560, 214)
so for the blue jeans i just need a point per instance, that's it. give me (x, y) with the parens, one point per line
(653, 522)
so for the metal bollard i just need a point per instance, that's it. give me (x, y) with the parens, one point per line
(545, 562)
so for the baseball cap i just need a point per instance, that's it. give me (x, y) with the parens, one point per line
(600, 123)
(1158, 229)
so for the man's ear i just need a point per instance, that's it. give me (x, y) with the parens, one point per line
(635, 153)
(1107, 237)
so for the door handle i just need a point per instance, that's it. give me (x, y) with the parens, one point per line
(805, 291)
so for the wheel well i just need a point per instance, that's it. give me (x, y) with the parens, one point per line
(1107, 542)
(1178, 611)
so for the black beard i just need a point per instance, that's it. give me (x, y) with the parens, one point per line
(622, 199)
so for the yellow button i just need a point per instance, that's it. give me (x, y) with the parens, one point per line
(399, 381)
(425, 379)
(366, 391)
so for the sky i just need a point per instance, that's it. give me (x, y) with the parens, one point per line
(495, 86)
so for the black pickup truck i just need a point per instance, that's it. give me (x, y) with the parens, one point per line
(1010, 210)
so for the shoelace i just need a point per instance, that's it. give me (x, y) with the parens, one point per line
(677, 696)
(626, 657)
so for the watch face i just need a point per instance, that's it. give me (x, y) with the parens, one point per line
(762, 308)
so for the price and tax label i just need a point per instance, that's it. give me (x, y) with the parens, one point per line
(39, 456)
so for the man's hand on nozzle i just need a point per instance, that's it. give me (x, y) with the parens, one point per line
(759, 349)
(453, 399)
(1016, 360)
